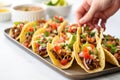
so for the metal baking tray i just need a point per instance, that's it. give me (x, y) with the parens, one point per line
(74, 72)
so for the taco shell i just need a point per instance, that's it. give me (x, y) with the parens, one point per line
(35, 38)
(55, 61)
(77, 49)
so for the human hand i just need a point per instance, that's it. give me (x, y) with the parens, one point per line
(91, 12)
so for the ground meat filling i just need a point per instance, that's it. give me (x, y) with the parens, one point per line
(15, 32)
(28, 40)
(42, 48)
(42, 51)
(90, 64)
(117, 56)
(62, 55)
(112, 45)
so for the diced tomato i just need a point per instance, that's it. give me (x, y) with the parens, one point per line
(63, 36)
(31, 29)
(61, 19)
(54, 26)
(64, 61)
(37, 45)
(92, 40)
(86, 53)
(42, 21)
(56, 48)
(92, 46)
(56, 17)
(26, 44)
(21, 26)
(109, 42)
(72, 29)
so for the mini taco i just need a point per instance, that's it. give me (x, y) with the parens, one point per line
(56, 24)
(89, 53)
(40, 41)
(28, 31)
(16, 29)
(60, 50)
(111, 46)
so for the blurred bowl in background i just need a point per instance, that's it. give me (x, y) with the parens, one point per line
(28, 12)
(5, 14)
(5, 4)
(39, 1)
(59, 10)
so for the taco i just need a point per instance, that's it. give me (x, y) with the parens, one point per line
(111, 46)
(56, 24)
(88, 51)
(40, 41)
(44, 35)
(60, 50)
(16, 29)
(28, 31)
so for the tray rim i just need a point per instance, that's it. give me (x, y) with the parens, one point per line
(55, 68)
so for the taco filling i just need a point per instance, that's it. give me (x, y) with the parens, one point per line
(41, 43)
(32, 29)
(88, 36)
(16, 29)
(71, 28)
(112, 44)
(89, 53)
(53, 27)
(62, 50)
(89, 58)
(63, 47)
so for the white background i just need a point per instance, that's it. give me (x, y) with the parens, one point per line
(16, 64)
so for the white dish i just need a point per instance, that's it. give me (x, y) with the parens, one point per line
(59, 10)
(5, 14)
(20, 15)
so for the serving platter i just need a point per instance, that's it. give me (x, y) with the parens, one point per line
(74, 72)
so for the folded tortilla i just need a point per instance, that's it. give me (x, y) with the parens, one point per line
(55, 61)
(99, 48)
(26, 28)
(43, 30)
(110, 56)
(35, 40)
(18, 27)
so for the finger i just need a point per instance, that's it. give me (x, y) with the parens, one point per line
(79, 13)
(84, 7)
(95, 20)
(89, 15)
(103, 24)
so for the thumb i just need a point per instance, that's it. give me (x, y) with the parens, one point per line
(89, 15)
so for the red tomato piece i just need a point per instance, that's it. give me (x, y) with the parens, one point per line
(54, 26)
(26, 44)
(37, 45)
(31, 29)
(56, 48)
(92, 46)
(56, 17)
(86, 53)
(64, 36)
(64, 61)
(92, 40)
(109, 42)
(61, 19)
